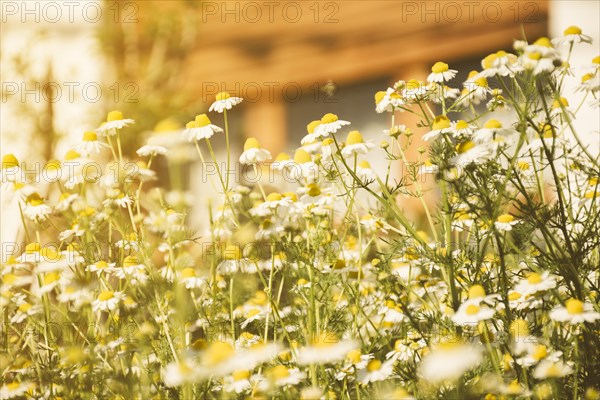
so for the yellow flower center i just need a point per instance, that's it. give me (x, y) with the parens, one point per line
(354, 137)
(534, 278)
(9, 161)
(291, 195)
(279, 372)
(488, 61)
(25, 307)
(574, 306)
(506, 218)
(354, 356)
(282, 157)
(130, 261)
(329, 118)
(327, 142)
(106, 295)
(90, 136)
(49, 254)
(472, 309)
(218, 352)
(439, 67)
(591, 194)
(114, 116)
(587, 77)
(519, 328)
(534, 56)
(188, 273)
(240, 375)
(222, 96)
(514, 296)
(379, 96)
(313, 190)
(32, 248)
(232, 252)
(596, 60)
(312, 125)
(251, 143)
(572, 30)
(374, 365)
(72, 155)
(543, 41)
(493, 124)
(202, 120)
(481, 82)
(523, 165)
(274, 197)
(462, 124)
(476, 291)
(465, 146)
(101, 265)
(540, 352)
(52, 165)
(440, 122)
(364, 164)
(34, 199)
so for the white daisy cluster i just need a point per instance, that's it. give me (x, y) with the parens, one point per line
(346, 282)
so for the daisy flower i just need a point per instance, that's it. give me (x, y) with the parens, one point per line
(500, 63)
(448, 362)
(364, 172)
(238, 382)
(280, 375)
(389, 100)
(15, 389)
(552, 369)
(590, 82)
(476, 88)
(90, 144)
(52, 171)
(325, 349)
(114, 121)
(24, 311)
(573, 34)
(311, 136)
(303, 167)
(282, 161)
(224, 101)
(536, 283)
(11, 171)
(575, 312)
(233, 261)
(492, 131)
(441, 123)
(469, 152)
(189, 278)
(440, 72)
(329, 124)
(107, 300)
(505, 222)
(200, 128)
(65, 201)
(355, 144)
(100, 267)
(151, 150)
(470, 313)
(35, 209)
(376, 371)
(253, 153)
(179, 373)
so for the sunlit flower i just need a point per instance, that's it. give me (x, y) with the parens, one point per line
(280, 375)
(327, 348)
(441, 124)
(355, 144)
(107, 300)
(471, 313)
(114, 122)
(35, 208)
(376, 371)
(448, 362)
(15, 389)
(551, 369)
(535, 283)
(575, 312)
(200, 128)
(329, 124)
(573, 34)
(224, 101)
(505, 222)
(253, 153)
(90, 144)
(440, 73)
(151, 150)
(389, 100)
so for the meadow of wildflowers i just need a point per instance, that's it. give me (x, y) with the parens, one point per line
(325, 289)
